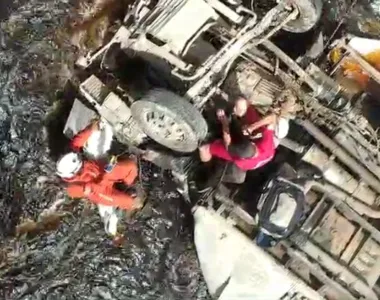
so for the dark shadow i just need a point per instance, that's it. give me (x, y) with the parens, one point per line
(139, 72)
(55, 121)
(371, 104)
(11, 205)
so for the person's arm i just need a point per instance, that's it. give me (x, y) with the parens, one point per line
(266, 121)
(79, 141)
(75, 190)
(225, 127)
(128, 171)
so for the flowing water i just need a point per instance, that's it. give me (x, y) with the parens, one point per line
(67, 254)
(75, 259)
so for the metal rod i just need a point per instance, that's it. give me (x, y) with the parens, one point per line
(338, 176)
(341, 154)
(337, 269)
(293, 65)
(340, 201)
(317, 271)
(360, 207)
(352, 146)
(231, 51)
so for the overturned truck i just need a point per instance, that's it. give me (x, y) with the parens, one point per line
(219, 49)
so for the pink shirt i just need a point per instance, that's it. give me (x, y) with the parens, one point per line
(265, 146)
(265, 151)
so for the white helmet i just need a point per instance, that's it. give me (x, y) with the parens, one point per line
(69, 165)
(282, 128)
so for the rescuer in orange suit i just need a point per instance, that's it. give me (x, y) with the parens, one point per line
(95, 180)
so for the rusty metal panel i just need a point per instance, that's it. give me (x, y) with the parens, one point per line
(317, 213)
(253, 83)
(338, 176)
(118, 114)
(353, 246)
(80, 117)
(94, 90)
(333, 232)
(367, 261)
(177, 27)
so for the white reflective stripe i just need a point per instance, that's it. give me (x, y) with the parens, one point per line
(99, 142)
(106, 197)
(87, 190)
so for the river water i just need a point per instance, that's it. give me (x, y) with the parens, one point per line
(75, 259)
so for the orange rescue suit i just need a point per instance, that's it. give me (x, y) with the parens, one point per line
(95, 184)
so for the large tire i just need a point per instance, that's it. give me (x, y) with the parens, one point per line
(170, 120)
(310, 12)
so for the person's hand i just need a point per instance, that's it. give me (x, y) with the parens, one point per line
(87, 189)
(221, 115)
(226, 138)
(138, 203)
(246, 130)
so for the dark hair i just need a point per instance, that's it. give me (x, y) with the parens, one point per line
(242, 149)
(241, 146)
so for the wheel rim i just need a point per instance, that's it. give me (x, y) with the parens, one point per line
(165, 127)
(310, 13)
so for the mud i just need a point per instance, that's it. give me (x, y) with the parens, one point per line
(68, 256)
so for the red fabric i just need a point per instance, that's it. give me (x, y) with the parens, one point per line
(106, 195)
(265, 152)
(218, 149)
(98, 186)
(78, 142)
(90, 172)
(265, 145)
(125, 171)
(251, 116)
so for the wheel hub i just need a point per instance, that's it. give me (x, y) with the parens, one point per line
(166, 126)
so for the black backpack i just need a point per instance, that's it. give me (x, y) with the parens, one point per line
(277, 191)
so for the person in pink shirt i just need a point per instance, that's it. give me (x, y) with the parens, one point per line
(237, 145)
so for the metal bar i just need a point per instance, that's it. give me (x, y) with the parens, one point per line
(344, 138)
(341, 154)
(230, 52)
(357, 205)
(317, 271)
(338, 176)
(225, 11)
(338, 270)
(315, 216)
(293, 66)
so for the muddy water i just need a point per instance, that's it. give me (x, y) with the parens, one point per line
(76, 260)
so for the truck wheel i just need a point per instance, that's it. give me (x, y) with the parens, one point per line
(309, 14)
(170, 120)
